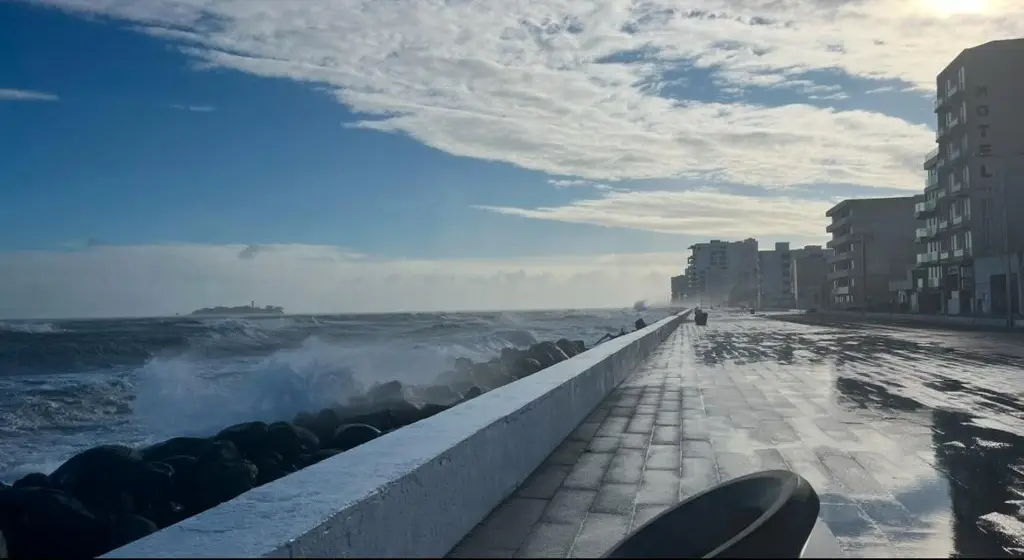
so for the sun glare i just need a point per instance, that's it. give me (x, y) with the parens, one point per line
(951, 7)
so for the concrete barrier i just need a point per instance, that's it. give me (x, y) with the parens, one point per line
(417, 491)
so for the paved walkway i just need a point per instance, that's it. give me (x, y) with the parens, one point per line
(748, 393)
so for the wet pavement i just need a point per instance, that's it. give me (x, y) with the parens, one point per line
(914, 440)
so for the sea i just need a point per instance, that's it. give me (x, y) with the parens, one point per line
(69, 385)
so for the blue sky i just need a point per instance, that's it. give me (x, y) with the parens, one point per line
(238, 123)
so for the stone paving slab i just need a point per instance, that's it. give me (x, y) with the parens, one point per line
(745, 394)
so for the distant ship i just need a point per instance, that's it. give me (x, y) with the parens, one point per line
(250, 309)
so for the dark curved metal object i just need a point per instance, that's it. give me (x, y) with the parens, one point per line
(769, 514)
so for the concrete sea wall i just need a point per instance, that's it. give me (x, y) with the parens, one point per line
(417, 491)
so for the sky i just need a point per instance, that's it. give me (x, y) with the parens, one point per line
(362, 155)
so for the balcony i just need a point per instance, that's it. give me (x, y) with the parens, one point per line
(952, 123)
(961, 254)
(924, 233)
(954, 154)
(938, 102)
(839, 240)
(931, 180)
(927, 258)
(840, 273)
(922, 209)
(930, 158)
(955, 188)
(956, 221)
(945, 255)
(837, 223)
(938, 133)
(841, 290)
(839, 257)
(943, 225)
(932, 282)
(952, 91)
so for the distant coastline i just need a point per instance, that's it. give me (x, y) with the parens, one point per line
(250, 309)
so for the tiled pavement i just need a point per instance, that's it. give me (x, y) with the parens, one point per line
(713, 403)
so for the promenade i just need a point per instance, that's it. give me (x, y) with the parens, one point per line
(908, 443)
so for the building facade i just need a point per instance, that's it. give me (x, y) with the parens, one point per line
(974, 183)
(872, 243)
(680, 288)
(723, 272)
(774, 280)
(809, 270)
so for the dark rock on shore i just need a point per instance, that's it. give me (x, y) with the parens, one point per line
(110, 495)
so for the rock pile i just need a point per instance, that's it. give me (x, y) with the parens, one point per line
(110, 495)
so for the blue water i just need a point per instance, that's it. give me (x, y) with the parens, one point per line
(69, 385)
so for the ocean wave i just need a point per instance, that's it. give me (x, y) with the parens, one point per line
(28, 327)
(132, 381)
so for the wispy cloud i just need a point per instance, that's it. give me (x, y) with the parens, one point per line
(168, 279)
(193, 108)
(26, 95)
(702, 212)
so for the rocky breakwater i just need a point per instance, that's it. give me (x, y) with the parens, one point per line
(110, 495)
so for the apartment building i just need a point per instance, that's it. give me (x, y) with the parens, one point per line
(680, 288)
(872, 243)
(774, 280)
(723, 271)
(809, 269)
(974, 183)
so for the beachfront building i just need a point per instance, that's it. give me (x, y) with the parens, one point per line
(974, 185)
(774, 278)
(809, 269)
(872, 243)
(723, 272)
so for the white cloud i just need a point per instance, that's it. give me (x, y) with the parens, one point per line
(193, 108)
(109, 280)
(520, 82)
(26, 95)
(695, 213)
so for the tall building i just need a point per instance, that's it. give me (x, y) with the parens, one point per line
(774, 278)
(974, 185)
(809, 271)
(873, 243)
(723, 271)
(679, 288)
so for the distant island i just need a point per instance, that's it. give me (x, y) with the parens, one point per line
(250, 309)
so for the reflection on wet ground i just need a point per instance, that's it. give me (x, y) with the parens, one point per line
(914, 439)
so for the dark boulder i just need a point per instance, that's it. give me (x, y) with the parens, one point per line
(567, 347)
(323, 424)
(124, 529)
(385, 392)
(472, 393)
(440, 395)
(48, 523)
(220, 451)
(352, 435)
(217, 481)
(248, 437)
(176, 447)
(581, 346)
(271, 467)
(289, 441)
(33, 480)
(110, 478)
(525, 366)
(325, 454)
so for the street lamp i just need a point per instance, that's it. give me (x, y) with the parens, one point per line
(1006, 231)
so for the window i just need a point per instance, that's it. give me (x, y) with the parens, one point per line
(961, 77)
(963, 111)
(967, 215)
(967, 179)
(967, 236)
